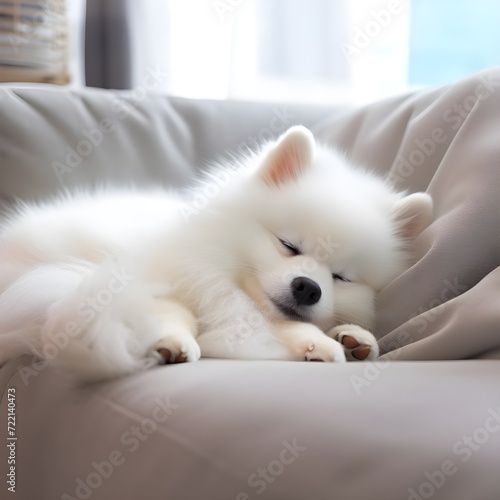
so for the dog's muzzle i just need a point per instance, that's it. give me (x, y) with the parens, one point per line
(305, 291)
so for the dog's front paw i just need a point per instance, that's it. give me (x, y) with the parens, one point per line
(324, 349)
(177, 349)
(359, 344)
(308, 343)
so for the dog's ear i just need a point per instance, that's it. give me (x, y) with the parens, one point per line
(288, 158)
(412, 214)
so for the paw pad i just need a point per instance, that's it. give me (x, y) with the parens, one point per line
(166, 356)
(358, 351)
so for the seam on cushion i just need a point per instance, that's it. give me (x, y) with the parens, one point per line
(181, 440)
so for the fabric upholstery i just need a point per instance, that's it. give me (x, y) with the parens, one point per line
(221, 429)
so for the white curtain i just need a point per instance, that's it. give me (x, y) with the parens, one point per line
(300, 50)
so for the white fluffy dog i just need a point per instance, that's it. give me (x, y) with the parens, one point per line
(283, 262)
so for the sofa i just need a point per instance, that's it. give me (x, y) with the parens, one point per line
(422, 421)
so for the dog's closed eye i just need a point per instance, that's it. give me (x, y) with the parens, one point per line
(339, 277)
(293, 249)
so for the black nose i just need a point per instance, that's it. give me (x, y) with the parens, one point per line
(305, 291)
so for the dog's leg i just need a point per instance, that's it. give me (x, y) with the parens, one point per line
(179, 342)
(306, 342)
(359, 344)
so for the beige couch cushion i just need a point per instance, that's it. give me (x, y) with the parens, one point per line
(220, 429)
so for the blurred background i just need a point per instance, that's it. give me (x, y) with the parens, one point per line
(335, 51)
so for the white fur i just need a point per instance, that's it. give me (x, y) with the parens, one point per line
(96, 282)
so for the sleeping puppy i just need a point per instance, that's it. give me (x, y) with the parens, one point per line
(283, 262)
